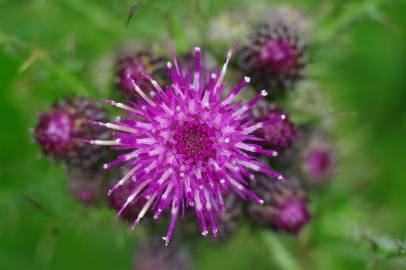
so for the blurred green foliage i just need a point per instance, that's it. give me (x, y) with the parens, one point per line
(51, 49)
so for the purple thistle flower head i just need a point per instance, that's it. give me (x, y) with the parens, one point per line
(59, 131)
(278, 134)
(285, 207)
(187, 146)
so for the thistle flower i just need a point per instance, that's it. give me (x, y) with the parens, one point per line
(131, 66)
(187, 147)
(274, 56)
(89, 186)
(59, 131)
(152, 256)
(285, 205)
(278, 135)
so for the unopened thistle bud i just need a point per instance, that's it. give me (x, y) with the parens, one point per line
(274, 56)
(278, 135)
(285, 205)
(133, 64)
(60, 132)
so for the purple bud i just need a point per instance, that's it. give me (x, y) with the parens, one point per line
(61, 131)
(285, 205)
(132, 66)
(278, 134)
(273, 56)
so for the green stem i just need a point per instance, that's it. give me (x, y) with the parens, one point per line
(278, 251)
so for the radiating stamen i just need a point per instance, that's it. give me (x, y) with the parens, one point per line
(250, 103)
(143, 211)
(196, 79)
(174, 217)
(223, 70)
(120, 106)
(123, 180)
(116, 127)
(142, 94)
(132, 196)
(104, 142)
(235, 90)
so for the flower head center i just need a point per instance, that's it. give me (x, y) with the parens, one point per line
(193, 141)
(278, 55)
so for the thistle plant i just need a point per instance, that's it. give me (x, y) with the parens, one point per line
(186, 146)
(191, 146)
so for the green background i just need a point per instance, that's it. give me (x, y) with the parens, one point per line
(51, 49)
